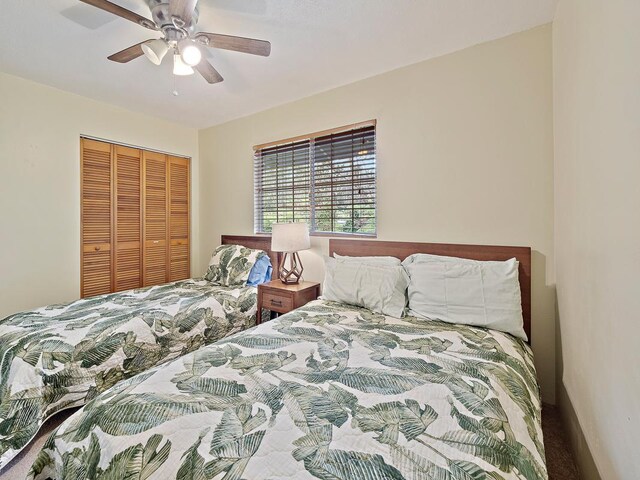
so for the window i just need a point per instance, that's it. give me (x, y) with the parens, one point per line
(327, 180)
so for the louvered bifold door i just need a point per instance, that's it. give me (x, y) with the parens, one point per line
(96, 233)
(154, 262)
(179, 267)
(128, 218)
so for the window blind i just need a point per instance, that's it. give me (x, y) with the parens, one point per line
(282, 182)
(327, 180)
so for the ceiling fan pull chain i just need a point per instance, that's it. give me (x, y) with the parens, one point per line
(175, 86)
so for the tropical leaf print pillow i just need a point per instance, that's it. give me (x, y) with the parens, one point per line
(230, 265)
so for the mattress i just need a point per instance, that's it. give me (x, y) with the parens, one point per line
(63, 356)
(327, 391)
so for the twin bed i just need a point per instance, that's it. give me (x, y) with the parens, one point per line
(62, 356)
(328, 391)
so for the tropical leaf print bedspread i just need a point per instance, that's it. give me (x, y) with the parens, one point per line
(327, 391)
(62, 356)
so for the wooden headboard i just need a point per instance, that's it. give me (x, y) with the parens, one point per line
(401, 250)
(258, 242)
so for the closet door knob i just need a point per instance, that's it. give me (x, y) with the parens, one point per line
(97, 249)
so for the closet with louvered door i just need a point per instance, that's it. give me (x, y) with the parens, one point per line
(155, 219)
(179, 251)
(127, 173)
(95, 218)
(134, 218)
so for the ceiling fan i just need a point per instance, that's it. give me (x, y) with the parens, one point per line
(177, 20)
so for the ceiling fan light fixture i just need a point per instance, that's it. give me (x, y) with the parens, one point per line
(177, 21)
(180, 68)
(190, 53)
(155, 50)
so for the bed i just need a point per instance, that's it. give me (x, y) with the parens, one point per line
(62, 356)
(327, 391)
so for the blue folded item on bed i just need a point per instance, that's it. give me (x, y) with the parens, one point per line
(260, 272)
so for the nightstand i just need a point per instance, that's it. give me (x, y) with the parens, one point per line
(281, 298)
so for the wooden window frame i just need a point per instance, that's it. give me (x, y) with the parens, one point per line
(311, 139)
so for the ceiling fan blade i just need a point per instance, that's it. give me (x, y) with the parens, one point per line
(183, 9)
(128, 54)
(209, 73)
(122, 12)
(238, 44)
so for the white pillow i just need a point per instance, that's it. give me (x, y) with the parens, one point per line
(393, 261)
(470, 292)
(380, 288)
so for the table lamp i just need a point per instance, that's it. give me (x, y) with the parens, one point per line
(290, 238)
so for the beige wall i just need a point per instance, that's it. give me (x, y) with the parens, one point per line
(596, 45)
(465, 155)
(40, 129)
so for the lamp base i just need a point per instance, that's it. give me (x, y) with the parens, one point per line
(292, 274)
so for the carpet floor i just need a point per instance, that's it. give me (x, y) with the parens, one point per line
(560, 464)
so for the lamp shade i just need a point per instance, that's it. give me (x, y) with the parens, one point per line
(290, 237)
(155, 50)
(181, 68)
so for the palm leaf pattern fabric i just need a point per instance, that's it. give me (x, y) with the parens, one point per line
(327, 391)
(62, 356)
(230, 265)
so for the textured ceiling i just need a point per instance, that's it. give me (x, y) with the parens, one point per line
(316, 45)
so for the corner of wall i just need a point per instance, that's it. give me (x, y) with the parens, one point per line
(579, 447)
(578, 442)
